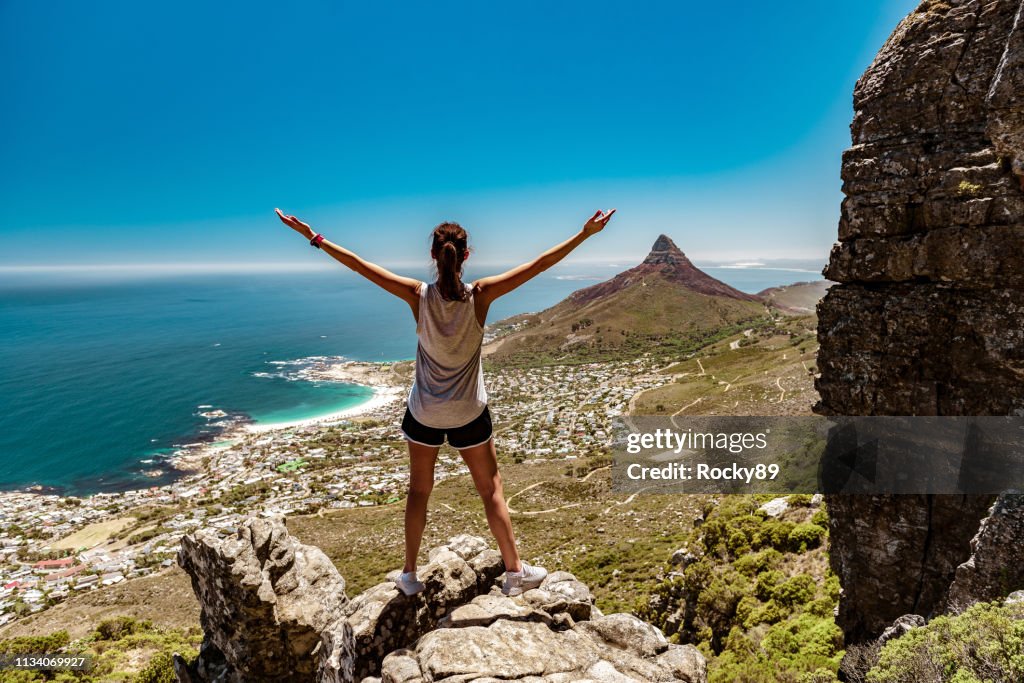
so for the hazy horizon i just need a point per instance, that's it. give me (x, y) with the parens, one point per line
(567, 270)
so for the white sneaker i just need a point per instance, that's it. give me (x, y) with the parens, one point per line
(409, 584)
(527, 578)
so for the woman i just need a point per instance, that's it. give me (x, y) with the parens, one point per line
(448, 398)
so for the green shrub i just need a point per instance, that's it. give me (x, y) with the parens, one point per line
(746, 610)
(805, 536)
(801, 649)
(119, 627)
(662, 600)
(738, 543)
(160, 669)
(984, 643)
(770, 612)
(766, 583)
(749, 584)
(22, 676)
(968, 189)
(822, 675)
(777, 534)
(815, 642)
(24, 645)
(822, 607)
(717, 603)
(115, 645)
(755, 563)
(832, 587)
(798, 590)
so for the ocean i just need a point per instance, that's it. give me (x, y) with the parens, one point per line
(101, 378)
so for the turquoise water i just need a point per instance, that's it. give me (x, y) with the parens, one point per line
(101, 378)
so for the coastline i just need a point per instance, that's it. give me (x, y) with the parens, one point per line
(377, 376)
(190, 459)
(218, 480)
(382, 396)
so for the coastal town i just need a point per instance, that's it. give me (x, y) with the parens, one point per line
(52, 546)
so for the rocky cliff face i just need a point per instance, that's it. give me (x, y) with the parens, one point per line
(274, 609)
(994, 569)
(927, 318)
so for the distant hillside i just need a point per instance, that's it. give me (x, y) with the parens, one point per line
(799, 298)
(665, 305)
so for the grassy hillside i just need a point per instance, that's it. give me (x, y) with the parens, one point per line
(165, 599)
(800, 298)
(121, 649)
(766, 371)
(655, 316)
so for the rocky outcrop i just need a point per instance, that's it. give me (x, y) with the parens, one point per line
(901, 627)
(926, 318)
(896, 555)
(994, 569)
(271, 608)
(274, 609)
(383, 619)
(495, 638)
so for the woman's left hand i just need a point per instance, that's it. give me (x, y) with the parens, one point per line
(296, 225)
(596, 223)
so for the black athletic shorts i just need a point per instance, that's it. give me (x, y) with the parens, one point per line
(477, 432)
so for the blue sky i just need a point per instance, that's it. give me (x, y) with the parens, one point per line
(139, 133)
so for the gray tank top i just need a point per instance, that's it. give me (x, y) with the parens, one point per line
(448, 390)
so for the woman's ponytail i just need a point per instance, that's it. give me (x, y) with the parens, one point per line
(448, 247)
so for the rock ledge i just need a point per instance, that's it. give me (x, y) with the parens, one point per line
(275, 610)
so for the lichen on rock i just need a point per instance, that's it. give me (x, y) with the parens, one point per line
(274, 609)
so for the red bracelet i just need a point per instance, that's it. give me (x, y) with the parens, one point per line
(317, 239)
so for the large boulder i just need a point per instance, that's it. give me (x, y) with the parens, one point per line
(272, 609)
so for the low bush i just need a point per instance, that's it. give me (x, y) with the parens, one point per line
(806, 536)
(984, 643)
(760, 600)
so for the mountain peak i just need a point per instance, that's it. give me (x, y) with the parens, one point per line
(664, 243)
(667, 263)
(665, 251)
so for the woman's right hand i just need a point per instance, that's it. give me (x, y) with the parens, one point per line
(597, 222)
(296, 225)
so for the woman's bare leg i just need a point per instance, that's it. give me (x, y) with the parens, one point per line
(482, 461)
(421, 483)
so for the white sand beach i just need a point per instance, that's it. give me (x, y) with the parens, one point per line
(382, 396)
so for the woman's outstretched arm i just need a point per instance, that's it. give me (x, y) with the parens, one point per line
(488, 289)
(405, 288)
